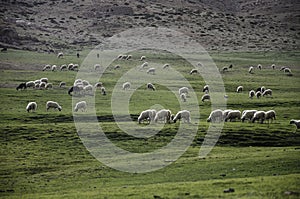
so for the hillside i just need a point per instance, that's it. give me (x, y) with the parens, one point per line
(243, 25)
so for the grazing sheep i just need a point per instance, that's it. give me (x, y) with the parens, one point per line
(98, 85)
(258, 94)
(163, 115)
(85, 83)
(225, 113)
(53, 68)
(183, 90)
(128, 57)
(193, 71)
(44, 79)
(184, 115)
(77, 81)
(47, 67)
(287, 70)
(30, 84)
(62, 84)
(75, 89)
(126, 86)
(262, 89)
(224, 69)
(60, 55)
(144, 65)
(232, 115)
(259, 115)
(97, 67)
(215, 116)
(271, 114)
(205, 97)
(251, 94)
(151, 70)
(75, 67)
(63, 67)
(54, 105)
(259, 66)
(282, 68)
(37, 86)
(296, 123)
(165, 66)
(248, 115)
(267, 92)
(117, 67)
(120, 56)
(273, 66)
(21, 86)
(250, 70)
(80, 105)
(143, 58)
(103, 90)
(70, 66)
(239, 89)
(88, 89)
(183, 97)
(147, 115)
(49, 85)
(31, 106)
(150, 86)
(206, 89)
(42, 85)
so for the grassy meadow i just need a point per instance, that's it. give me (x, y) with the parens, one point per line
(42, 156)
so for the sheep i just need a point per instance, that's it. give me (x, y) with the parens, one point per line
(258, 94)
(215, 116)
(282, 68)
(98, 85)
(44, 79)
(262, 89)
(287, 70)
(225, 113)
(80, 105)
(103, 90)
(183, 90)
(120, 56)
(184, 115)
(31, 106)
(144, 65)
(60, 55)
(251, 94)
(150, 86)
(53, 68)
(259, 115)
(267, 92)
(42, 85)
(75, 67)
(124, 56)
(296, 123)
(75, 89)
(63, 67)
(116, 67)
(151, 70)
(250, 70)
(62, 84)
(21, 86)
(193, 71)
(206, 89)
(85, 83)
(230, 66)
(205, 97)
(49, 85)
(148, 115)
(239, 89)
(97, 67)
(30, 84)
(259, 66)
(77, 81)
(88, 89)
(128, 57)
(271, 114)
(273, 66)
(183, 97)
(165, 66)
(248, 115)
(224, 69)
(234, 114)
(126, 86)
(163, 115)
(54, 105)
(70, 66)
(47, 67)
(143, 58)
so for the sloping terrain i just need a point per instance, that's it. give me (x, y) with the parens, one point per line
(217, 25)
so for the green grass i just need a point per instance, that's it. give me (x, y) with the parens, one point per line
(41, 155)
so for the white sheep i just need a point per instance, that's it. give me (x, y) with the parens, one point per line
(183, 97)
(147, 115)
(144, 65)
(183, 115)
(205, 97)
(163, 115)
(31, 106)
(287, 70)
(44, 79)
(224, 69)
(62, 84)
(251, 94)
(60, 55)
(267, 92)
(117, 67)
(248, 115)
(97, 67)
(63, 67)
(143, 58)
(49, 85)
(85, 82)
(215, 116)
(250, 70)
(193, 71)
(77, 81)
(205, 89)
(98, 85)
(183, 90)
(165, 66)
(103, 90)
(128, 57)
(126, 86)
(282, 68)
(296, 123)
(30, 84)
(262, 89)
(259, 66)
(259, 115)
(151, 70)
(273, 66)
(54, 105)
(53, 68)
(232, 115)
(258, 94)
(47, 67)
(225, 113)
(75, 67)
(271, 114)
(239, 89)
(80, 105)
(88, 89)
(151, 86)
(70, 66)
(42, 85)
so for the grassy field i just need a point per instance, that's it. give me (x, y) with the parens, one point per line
(42, 155)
